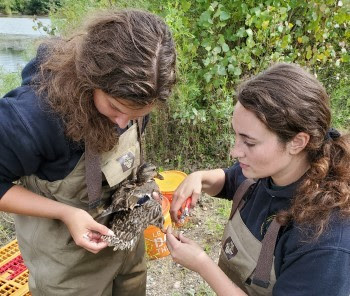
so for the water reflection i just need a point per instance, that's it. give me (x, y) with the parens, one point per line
(12, 60)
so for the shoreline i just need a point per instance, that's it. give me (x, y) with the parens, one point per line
(15, 15)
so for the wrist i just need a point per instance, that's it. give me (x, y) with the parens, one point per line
(203, 261)
(66, 212)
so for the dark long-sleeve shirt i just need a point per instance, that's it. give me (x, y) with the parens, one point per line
(302, 268)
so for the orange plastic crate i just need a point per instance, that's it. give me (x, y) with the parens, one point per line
(13, 272)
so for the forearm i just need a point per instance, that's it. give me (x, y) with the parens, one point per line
(19, 200)
(212, 181)
(85, 231)
(218, 280)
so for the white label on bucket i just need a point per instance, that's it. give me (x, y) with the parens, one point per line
(159, 242)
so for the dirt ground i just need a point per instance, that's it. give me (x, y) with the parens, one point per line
(205, 227)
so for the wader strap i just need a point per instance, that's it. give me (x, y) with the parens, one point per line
(240, 192)
(93, 175)
(139, 136)
(263, 268)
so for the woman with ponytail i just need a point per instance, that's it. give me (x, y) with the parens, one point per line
(289, 228)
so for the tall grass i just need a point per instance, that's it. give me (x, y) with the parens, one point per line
(8, 81)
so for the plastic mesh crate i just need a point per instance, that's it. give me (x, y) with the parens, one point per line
(13, 272)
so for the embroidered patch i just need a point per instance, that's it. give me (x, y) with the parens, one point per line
(126, 161)
(229, 248)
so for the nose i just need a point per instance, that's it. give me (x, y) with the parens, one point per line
(122, 121)
(236, 151)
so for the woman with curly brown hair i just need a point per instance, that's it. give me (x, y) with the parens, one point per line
(289, 228)
(70, 134)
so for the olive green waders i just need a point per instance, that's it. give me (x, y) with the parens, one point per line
(244, 259)
(57, 266)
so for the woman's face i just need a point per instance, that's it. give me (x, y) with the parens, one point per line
(257, 149)
(118, 111)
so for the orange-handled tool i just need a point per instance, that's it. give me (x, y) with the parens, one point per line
(186, 211)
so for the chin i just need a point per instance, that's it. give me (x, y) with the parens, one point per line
(250, 175)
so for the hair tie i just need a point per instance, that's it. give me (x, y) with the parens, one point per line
(332, 134)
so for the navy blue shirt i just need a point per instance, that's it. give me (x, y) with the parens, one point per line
(303, 268)
(32, 139)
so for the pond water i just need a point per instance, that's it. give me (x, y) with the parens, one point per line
(17, 34)
(12, 60)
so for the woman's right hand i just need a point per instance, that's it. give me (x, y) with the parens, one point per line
(190, 187)
(185, 251)
(85, 231)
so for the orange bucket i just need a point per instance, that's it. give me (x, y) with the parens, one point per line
(155, 238)
(172, 179)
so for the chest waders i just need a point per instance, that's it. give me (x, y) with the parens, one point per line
(244, 259)
(57, 266)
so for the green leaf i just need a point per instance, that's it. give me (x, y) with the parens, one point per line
(305, 39)
(250, 42)
(225, 47)
(237, 71)
(241, 32)
(185, 5)
(345, 58)
(205, 18)
(207, 77)
(249, 32)
(265, 24)
(308, 52)
(217, 50)
(224, 15)
(221, 70)
(231, 68)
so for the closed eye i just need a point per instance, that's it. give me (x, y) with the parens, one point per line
(249, 144)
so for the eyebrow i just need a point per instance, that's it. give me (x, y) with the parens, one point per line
(244, 135)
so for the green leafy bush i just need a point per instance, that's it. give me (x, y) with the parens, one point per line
(221, 43)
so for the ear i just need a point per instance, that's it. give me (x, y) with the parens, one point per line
(298, 143)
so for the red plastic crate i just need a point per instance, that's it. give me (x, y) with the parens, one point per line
(13, 268)
(13, 272)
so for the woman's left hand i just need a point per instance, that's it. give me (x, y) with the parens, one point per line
(185, 251)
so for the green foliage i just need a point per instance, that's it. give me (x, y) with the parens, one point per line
(69, 14)
(341, 105)
(5, 7)
(29, 7)
(8, 81)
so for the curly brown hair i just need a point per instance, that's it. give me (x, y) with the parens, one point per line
(289, 100)
(128, 54)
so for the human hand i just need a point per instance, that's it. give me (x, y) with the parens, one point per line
(185, 251)
(190, 187)
(85, 231)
